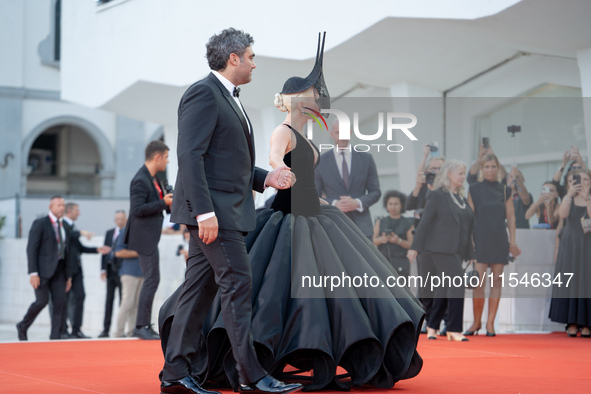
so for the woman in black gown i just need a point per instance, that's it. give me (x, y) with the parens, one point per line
(571, 304)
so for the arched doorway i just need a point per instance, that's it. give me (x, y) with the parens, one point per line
(64, 159)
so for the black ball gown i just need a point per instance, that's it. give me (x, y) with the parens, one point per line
(371, 332)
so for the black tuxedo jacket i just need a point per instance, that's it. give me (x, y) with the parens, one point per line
(42, 249)
(364, 184)
(144, 225)
(439, 229)
(216, 159)
(75, 249)
(110, 258)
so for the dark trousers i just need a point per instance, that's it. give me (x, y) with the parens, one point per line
(223, 263)
(425, 268)
(75, 308)
(446, 298)
(150, 266)
(56, 286)
(113, 283)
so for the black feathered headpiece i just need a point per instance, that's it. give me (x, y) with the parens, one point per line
(316, 78)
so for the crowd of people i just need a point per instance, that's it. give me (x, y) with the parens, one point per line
(499, 203)
(238, 290)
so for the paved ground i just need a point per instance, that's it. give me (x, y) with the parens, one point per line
(37, 332)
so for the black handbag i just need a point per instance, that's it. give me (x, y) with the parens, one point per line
(473, 272)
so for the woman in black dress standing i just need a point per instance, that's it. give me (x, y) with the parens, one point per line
(492, 205)
(444, 239)
(571, 304)
(393, 234)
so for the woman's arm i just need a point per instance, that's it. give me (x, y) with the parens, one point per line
(510, 215)
(377, 238)
(565, 204)
(280, 145)
(534, 209)
(406, 243)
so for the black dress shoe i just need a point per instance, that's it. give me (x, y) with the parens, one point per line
(269, 384)
(145, 333)
(104, 334)
(186, 385)
(66, 335)
(78, 334)
(22, 332)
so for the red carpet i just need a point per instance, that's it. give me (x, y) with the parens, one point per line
(545, 363)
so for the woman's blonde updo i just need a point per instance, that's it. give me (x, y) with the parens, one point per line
(283, 100)
(280, 103)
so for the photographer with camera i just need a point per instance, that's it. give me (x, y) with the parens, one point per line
(573, 156)
(425, 177)
(522, 199)
(546, 207)
(393, 234)
(484, 149)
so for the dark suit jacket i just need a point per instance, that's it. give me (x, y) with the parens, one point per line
(364, 184)
(110, 258)
(42, 249)
(75, 249)
(439, 229)
(144, 225)
(216, 159)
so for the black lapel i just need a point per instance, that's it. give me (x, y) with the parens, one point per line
(245, 122)
(451, 204)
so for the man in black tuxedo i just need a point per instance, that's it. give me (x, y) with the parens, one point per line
(213, 197)
(148, 199)
(110, 270)
(48, 271)
(349, 180)
(75, 308)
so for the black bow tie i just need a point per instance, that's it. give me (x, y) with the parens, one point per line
(236, 92)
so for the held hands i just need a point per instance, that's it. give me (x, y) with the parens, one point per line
(280, 178)
(35, 281)
(168, 199)
(389, 238)
(347, 204)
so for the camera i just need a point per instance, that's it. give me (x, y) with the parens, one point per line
(178, 250)
(430, 177)
(576, 179)
(389, 232)
(513, 129)
(486, 142)
(546, 189)
(434, 147)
